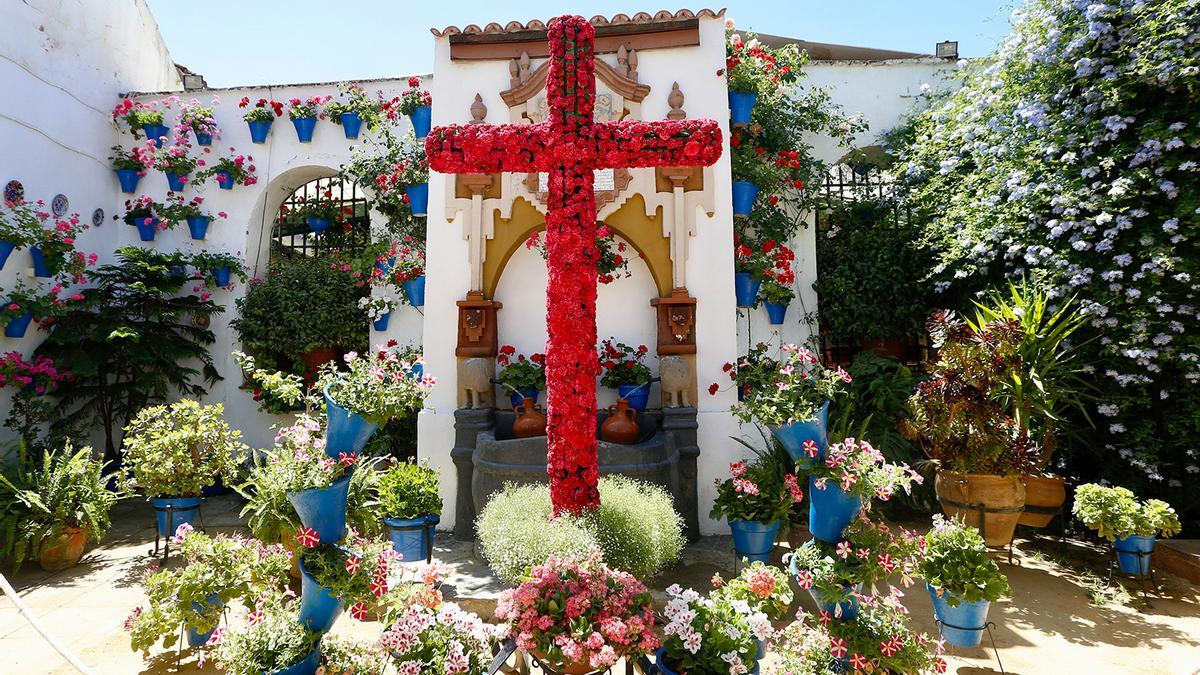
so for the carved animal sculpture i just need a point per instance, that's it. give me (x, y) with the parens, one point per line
(676, 375)
(475, 383)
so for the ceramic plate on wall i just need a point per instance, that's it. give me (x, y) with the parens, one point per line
(14, 192)
(59, 204)
(97, 217)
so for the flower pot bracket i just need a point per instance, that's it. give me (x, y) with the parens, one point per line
(424, 528)
(987, 626)
(168, 509)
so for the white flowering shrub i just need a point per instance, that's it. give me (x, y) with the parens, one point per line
(1072, 154)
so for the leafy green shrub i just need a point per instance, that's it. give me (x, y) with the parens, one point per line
(179, 449)
(956, 563)
(1115, 513)
(636, 529)
(409, 490)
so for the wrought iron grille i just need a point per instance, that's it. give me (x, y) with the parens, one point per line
(291, 234)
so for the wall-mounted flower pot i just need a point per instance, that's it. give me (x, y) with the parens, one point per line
(793, 436)
(182, 510)
(175, 181)
(418, 198)
(408, 536)
(744, 194)
(6, 249)
(830, 510)
(225, 180)
(961, 626)
(741, 105)
(1134, 553)
(421, 119)
(745, 288)
(128, 178)
(197, 639)
(351, 124)
(517, 398)
(64, 550)
(306, 666)
(259, 131)
(347, 431)
(317, 225)
(417, 371)
(1002, 499)
(381, 323)
(638, 395)
(147, 228)
(156, 132)
(198, 226)
(776, 311)
(323, 509)
(221, 275)
(753, 541)
(16, 327)
(385, 266)
(203, 139)
(304, 128)
(414, 290)
(318, 608)
(40, 268)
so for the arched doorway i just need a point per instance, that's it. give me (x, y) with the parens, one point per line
(291, 233)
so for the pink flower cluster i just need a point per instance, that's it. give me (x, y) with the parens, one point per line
(39, 372)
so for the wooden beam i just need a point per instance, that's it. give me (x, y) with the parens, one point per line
(665, 35)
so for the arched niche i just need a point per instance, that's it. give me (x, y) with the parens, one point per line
(262, 217)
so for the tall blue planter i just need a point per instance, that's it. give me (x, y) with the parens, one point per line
(421, 120)
(753, 541)
(1133, 554)
(414, 289)
(225, 180)
(347, 431)
(156, 132)
(306, 666)
(6, 249)
(418, 198)
(175, 181)
(741, 104)
(183, 510)
(221, 275)
(638, 395)
(660, 661)
(128, 178)
(518, 398)
(351, 124)
(259, 131)
(323, 509)
(146, 231)
(199, 639)
(776, 311)
(830, 510)
(40, 268)
(408, 536)
(198, 226)
(304, 128)
(961, 626)
(15, 328)
(203, 139)
(744, 194)
(745, 288)
(794, 435)
(381, 323)
(318, 225)
(318, 608)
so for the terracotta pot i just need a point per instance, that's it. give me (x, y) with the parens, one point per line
(64, 551)
(566, 668)
(1002, 497)
(621, 425)
(1045, 495)
(530, 421)
(315, 358)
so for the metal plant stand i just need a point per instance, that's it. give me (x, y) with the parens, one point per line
(988, 627)
(425, 535)
(1143, 580)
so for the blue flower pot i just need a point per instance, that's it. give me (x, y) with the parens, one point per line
(40, 268)
(318, 225)
(6, 249)
(794, 435)
(961, 626)
(318, 608)
(15, 328)
(221, 275)
(347, 431)
(351, 124)
(775, 312)
(417, 371)
(848, 607)
(198, 226)
(203, 139)
(744, 194)
(146, 231)
(418, 198)
(175, 181)
(385, 267)
(381, 323)
(225, 180)
(517, 398)
(156, 132)
(414, 290)
(753, 541)
(660, 661)
(199, 639)
(408, 536)
(306, 666)
(323, 509)
(304, 128)
(741, 104)
(830, 510)
(128, 178)
(638, 395)
(1133, 554)
(745, 288)
(183, 510)
(421, 120)
(259, 130)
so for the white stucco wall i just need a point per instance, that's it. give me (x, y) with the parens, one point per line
(62, 66)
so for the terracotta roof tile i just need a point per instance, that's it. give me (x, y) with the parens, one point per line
(618, 19)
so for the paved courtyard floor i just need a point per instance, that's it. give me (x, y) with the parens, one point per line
(1049, 626)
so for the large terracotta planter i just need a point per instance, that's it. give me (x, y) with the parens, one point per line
(582, 668)
(1002, 498)
(1044, 496)
(64, 551)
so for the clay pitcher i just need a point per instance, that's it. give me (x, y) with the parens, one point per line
(530, 421)
(621, 425)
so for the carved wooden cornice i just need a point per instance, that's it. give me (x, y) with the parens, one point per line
(525, 84)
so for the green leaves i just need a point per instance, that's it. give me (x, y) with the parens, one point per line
(1115, 513)
(956, 562)
(409, 490)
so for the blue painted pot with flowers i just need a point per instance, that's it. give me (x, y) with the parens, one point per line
(962, 580)
(741, 105)
(128, 178)
(410, 500)
(351, 124)
(623, 368)
(259, 129)
(319, 609)
(1132, 526)
(744, 194)
(323, 509)
(755, 500)
(38, 259)
(414, 290)
(304, 128)
(520, 376)
(194, 637)
(6, 249)
(198, 226)
(416, 103)
(347, 430)
(156, 133)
